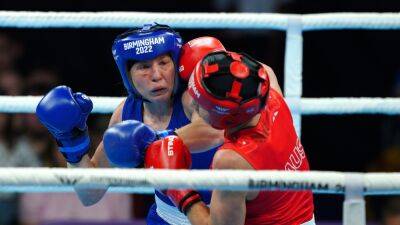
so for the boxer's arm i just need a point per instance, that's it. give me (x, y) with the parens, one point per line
(198, 135)
(227, 207)
(99, 158)
(272, 79)
(89, 197)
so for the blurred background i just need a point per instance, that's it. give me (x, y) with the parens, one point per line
(349, 63)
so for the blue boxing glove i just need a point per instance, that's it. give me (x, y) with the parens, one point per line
(64, 114)
(125, 143)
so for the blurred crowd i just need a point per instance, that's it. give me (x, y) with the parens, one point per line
(24, 142)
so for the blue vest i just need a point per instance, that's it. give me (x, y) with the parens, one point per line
(133, 110)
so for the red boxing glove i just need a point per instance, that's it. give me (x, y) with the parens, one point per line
(193, 51)
(168, 153)
(172, 153)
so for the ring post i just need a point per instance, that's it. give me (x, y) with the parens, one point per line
(354, 203)
(294, 67)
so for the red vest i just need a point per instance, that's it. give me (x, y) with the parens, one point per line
(274, 145)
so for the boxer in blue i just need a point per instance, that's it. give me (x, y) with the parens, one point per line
(148, 60)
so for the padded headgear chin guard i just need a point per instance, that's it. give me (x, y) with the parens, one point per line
(232, 87)
(143, 44)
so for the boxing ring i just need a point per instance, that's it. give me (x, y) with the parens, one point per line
(353, 185)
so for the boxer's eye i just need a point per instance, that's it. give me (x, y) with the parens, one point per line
(163, 62)
(142, 66)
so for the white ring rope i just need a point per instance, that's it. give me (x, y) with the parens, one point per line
(25, 19)
(134, 180)
(332, 106)
(305, 106)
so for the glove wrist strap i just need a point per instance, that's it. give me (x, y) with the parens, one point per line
(188, 201)
(163, 133)
(184, 199)
(74, 149)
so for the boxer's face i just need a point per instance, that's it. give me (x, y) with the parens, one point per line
(154, 79)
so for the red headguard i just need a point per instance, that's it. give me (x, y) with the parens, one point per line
(193, 51)
(232, 87)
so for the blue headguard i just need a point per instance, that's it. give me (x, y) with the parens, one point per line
(146, 44)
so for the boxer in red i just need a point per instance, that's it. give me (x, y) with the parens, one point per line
(236, 93)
